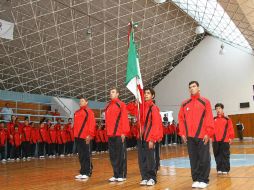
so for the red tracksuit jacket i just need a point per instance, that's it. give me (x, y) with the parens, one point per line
(57, 126)
(16, 140)
(10, 129)
(151, 128)
(68, 129)
(42, 134)
(34, 135)
(3, 137)
(26, 133)
(172, 128)
(116, 118)
(195, 118)
(84, 123)
(52, 136)
(61, 136)
(223, 129)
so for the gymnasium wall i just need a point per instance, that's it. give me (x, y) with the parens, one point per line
(227, 78)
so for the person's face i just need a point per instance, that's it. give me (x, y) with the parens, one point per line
(26, 123)
(1, 125)
(13, 118)
(83, 102)
(148, 96)
(194, 89)
(219, 110)
(70, 120)
(7, 105)
(113, 94)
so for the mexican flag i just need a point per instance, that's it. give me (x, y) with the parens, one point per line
(133, 76)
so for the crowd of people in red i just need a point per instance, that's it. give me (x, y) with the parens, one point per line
(24, 140)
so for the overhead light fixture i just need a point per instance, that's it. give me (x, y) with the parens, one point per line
(222, 50)
(159, 1)
(89, 33)
(199, 30)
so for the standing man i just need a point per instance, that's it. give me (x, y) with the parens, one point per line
(117, 127)
(196, 126)
(84, 132)
(240, 128)
(223, 137)
(7, 112)
(151, 133)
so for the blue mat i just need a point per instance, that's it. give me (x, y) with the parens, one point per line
(236, 160)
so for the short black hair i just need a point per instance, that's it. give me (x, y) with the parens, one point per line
(82, 97)
(151, 91)
(219, 105)
(194, 82)
(115, 88)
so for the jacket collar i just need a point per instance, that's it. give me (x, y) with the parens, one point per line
(196, 96)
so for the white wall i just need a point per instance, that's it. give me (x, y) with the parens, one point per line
(227, 78)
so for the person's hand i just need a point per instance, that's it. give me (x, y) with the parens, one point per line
(230, 141)
(88, 139)
(123, 138)
(184, 139)
(151, 144)
(206, 139)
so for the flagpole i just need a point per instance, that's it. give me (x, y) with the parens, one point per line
(139, 120)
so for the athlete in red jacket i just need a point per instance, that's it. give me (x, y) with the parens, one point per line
(3, 138)
(26, 137)
(151, 132)
(52, 140)
(34, 138)
(117, 127)
(16, 143)
(196, 126)
(84, 131)
(223, 137)
(42, 135)
(69, 135)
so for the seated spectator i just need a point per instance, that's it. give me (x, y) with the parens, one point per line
(6, 112)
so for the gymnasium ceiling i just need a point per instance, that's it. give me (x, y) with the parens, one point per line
(71, 47)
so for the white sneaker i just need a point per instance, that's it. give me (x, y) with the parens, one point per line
(42, 157)
(195, 184)
(84, 177)
(28, 157)
(78, 176)
(120, 179)
(8, 159)
(24, 158)
(150, 182)
(18, 159)
(224, 173)
(3, 160)
(112, 179)
(219, 172)
(54, 156)
(143, 182)
(61, 155)
(202, 185)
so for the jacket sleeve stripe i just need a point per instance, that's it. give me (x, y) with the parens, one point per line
(83, 124)
(146, 121)
(200, 124)
(118, 119)
(201, 101)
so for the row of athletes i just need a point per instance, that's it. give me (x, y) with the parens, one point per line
(20, 139)
(196, 128)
